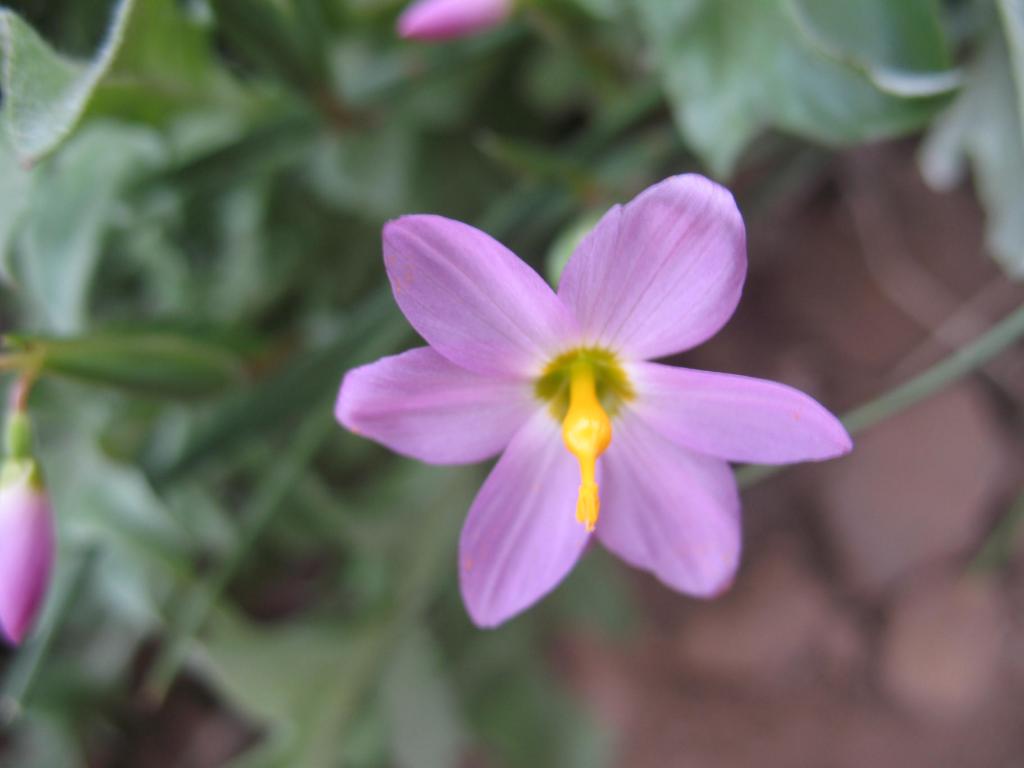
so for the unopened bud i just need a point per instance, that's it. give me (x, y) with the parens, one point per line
(27, 546)
(448, 19)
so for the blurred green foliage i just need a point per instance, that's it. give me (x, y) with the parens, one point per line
(191, 196)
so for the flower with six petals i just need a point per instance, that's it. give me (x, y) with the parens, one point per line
(594, 439)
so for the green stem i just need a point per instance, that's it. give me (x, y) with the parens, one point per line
(999, 546)
(962, 362)
(266, 501)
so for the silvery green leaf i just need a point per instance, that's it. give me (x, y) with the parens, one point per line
(899, 47)
(15, 188)
(153, 62)
(983, 129)
(1012, 16)
(72, 204)
(733, 68)
(45, 93)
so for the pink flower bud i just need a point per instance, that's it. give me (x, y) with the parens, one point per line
(27, 544)
(447, 19)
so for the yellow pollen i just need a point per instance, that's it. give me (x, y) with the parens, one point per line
(586, 431)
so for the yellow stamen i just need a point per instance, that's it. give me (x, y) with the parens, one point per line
(586, 431)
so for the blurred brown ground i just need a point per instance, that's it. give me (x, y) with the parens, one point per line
(855, 635)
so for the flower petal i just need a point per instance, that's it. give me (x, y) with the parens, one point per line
(521, 537)
(422, 405)
(737, 418)
(662, 273)
(471, 298)
(669, 511)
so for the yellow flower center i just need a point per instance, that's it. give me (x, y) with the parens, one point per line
(583, 387)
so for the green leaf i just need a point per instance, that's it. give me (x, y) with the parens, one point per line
(309, 378)
(15, 188)
(282, 677)
(110, 505)
(43, 740)
(369, 172)
(985, 129)
(899, 47)
(165, 64)
(45, 93)
(244, 662)
(1012, 16)
(73, 202)
(537, 163)
(270, 36)
(152, 62)
(566, 243)
(596, 598)
(152, 362)
(732, 68)
(527, 718)
(603, 9)
(426, 728)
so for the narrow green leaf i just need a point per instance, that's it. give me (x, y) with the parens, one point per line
(536, 163)
(256, 153)
(268, 35)
(1003, 541)
(151, 362)
(374, 329)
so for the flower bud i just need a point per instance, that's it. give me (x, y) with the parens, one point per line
(447, 19)
(27, 544)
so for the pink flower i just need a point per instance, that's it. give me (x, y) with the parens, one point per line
(554, 381)
(27, 543)
(447, 19)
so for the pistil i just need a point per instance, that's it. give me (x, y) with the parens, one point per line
(587, 432)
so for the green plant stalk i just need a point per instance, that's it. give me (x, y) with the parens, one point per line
(998, 547)
(957, 365)
(266, 501)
